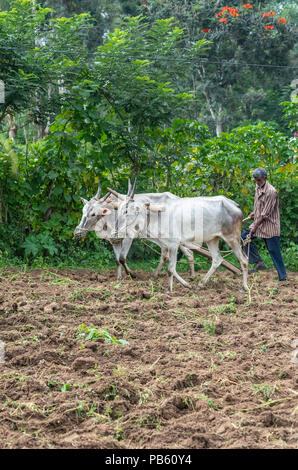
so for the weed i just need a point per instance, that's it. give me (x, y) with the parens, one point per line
(59, 280)
(66, 388)
(188, 402)
(52, 384)
(119, 434)
(226, 354)
(273, 291)
(150, 421)
(209, 327)
(119, 371)
(204, 397)
(128, 297)
(228, 309)
(143, 397)
(266, 390)
(90, 333)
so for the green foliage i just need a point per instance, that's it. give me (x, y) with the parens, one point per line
(66, 388)
(31, 37)
(224, 165)
(90, 333)
(228, 90)
(127, 110)
(291, 112)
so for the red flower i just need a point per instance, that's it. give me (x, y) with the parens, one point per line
(247, 5)
(269, 27)
(206, 30)
(269, 13)
(281, 20)
(223, 20)
(233, 12)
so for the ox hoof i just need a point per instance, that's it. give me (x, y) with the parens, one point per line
(132, 275)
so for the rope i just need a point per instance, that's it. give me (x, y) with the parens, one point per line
(228, 252)
(247, 242)
(155, 251)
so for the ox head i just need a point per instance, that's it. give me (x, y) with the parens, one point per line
(93, 212)
(131, 214)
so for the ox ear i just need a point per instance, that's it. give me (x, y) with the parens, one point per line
(154, 207)
(84, 201)
(105, 211)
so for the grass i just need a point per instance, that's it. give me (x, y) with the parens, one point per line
(265, 390)
(148, 263)
(228, 309)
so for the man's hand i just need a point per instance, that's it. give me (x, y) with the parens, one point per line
(252, 229)
(249, 217)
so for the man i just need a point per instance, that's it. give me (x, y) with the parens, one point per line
(266, 225)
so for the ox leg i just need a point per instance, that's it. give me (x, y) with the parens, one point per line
(124, 252)
(190, 256)
(216, 259)
(163, 259)
(172, 268)
(117, 251)
(243, 260)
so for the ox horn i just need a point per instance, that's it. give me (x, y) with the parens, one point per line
(98, 191)
(129, 187)
(132, 193)
(103, 199)
(118, 195)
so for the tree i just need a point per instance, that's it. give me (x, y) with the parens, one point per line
(228, 89)
(38, 51)
(129, 92)
(104, 14)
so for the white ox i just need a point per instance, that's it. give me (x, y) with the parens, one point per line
(100, 215)
(184, 221)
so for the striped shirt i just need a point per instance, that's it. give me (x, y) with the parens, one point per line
(266, 212)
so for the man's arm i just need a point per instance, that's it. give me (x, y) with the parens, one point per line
(268, 208)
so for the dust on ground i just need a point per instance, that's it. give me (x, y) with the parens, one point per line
(207, 369)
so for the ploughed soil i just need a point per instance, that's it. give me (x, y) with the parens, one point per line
(203, 369)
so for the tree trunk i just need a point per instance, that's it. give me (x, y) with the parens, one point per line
(47, 128)
(12, 132)
(216, 116)
(219, 121)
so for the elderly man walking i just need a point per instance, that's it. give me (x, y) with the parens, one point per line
(266, 225)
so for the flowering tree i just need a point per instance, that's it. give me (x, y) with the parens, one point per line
(241, 74)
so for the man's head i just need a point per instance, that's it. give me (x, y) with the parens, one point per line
(260, 176)
(295, 133)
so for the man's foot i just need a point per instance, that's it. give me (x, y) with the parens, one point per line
(260, 266)
(282, 280)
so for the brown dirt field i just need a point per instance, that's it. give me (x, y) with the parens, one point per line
(208, 369)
